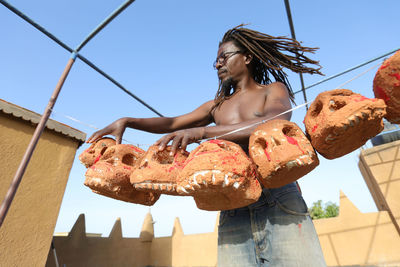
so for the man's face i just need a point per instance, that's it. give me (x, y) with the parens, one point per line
(229, 61)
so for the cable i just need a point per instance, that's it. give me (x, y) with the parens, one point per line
(348, 70)
(358, 76)
(236, 130)
(69, 49)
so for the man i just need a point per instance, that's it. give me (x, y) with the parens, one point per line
(276, 230)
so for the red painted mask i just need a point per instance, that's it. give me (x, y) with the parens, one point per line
(220, 176)
(387, 86)
(157, 171)
(340, 121)
(282, 153)
(95, 151)
(109, 176)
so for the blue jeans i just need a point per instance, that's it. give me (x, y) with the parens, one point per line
(274, 231)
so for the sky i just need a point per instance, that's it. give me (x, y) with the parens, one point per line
(163, 51)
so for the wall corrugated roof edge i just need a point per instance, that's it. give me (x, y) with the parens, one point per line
(28, 115)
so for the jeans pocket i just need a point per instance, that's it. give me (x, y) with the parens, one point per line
(292, 203)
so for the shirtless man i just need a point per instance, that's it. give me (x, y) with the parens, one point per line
(276, 230)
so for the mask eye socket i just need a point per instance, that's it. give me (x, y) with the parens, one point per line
(262, 143)
(128, 159)
(163, 157)
(109, 154)
(316, 109)
(289, 131)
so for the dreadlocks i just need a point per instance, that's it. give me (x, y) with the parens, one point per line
(268, 58)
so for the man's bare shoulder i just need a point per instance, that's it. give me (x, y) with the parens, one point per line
(278, 89)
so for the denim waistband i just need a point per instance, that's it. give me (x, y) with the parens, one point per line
(269, 196)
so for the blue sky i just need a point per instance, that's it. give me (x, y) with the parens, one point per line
(163, 52)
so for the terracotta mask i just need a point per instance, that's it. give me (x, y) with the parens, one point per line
(157, 170)
(340, 121)
(109, 176)
(387, 87)
(282, 153)
(95, 151)
(220, 176)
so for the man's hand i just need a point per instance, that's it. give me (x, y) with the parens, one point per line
(180, 138)
(117, 129)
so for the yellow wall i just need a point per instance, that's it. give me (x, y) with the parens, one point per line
(26, 233)
(380, 167)
(355, 238)
(79, 249)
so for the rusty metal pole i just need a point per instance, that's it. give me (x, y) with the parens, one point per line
(35, 138)
(289, 15)
(42, 123)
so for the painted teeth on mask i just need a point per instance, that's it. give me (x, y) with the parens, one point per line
(329, 138)
(182, 189)
(357, 119)
(213, 178)
(291, 164)
(226, 181)
(308, 158)
(236, 185)
(195, 184)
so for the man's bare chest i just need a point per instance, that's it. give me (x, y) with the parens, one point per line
(239, 109)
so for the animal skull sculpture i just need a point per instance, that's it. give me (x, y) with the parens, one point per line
(95, 151)
(340, 121)
(387, 86)
(109, 176)
(157, 170)
(220, 176)
(281, 152)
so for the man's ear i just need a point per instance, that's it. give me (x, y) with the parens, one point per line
(248, 58)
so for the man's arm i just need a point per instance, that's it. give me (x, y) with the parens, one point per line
(197, 118)
(277, 101)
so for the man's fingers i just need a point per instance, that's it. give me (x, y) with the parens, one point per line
(162, 142)
(175, 143)
(118, 136)
(185, 142)
(118, 139)
(93, 138)
(96, 136)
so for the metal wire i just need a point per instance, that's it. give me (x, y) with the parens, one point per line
(104, 23)
(348, 70)
(66, 47)
(234, 131)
